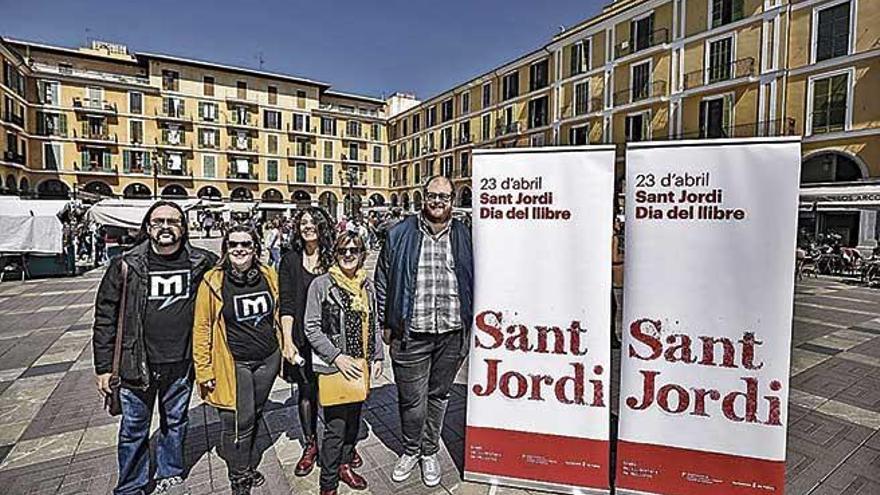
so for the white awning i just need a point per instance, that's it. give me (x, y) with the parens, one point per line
(30, 226)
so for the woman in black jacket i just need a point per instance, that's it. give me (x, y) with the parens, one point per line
(311, 254)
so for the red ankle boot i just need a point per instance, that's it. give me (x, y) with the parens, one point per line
(309, 456)
(351, 478)
(356, 460)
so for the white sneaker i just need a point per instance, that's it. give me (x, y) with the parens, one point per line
(404, 467)
(430, 470)
(171, 486)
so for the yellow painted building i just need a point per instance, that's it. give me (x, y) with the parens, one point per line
(674, 69)
(99, 121)
(104, 121)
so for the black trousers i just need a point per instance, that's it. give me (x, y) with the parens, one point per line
(341, 424)
(424, 369)
(253, 383)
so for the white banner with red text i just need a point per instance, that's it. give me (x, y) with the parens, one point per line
(708, 298)
(539, 373)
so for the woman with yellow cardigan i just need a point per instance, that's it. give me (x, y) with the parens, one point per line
(236, 349)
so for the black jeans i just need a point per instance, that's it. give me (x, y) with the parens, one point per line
(341, 424)
(424, 369)
(253, 382)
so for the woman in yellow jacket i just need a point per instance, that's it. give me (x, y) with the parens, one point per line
(236, 349)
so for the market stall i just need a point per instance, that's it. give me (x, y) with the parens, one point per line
(33, 240)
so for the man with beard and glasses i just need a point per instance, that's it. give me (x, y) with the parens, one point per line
(424, 288)
(155, 364)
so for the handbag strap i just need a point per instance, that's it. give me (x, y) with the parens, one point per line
(120, 320)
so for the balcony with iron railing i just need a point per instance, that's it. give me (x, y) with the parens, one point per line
(638, 93)
(173, 141)
(637, 44)
(134, 167)
(507, 129)
(595, 104)
(301, 129)
(11, 118)
(94, 135)
(744, 67)
(14, 157)
(169, 168)
(233, 174)
(248, 147)
(90, 105)
(244, 121)
(173, 113)
(301, 152)
(96, 167)
(763, 128)
(241, 98)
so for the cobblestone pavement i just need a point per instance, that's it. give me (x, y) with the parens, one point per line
(56, 439)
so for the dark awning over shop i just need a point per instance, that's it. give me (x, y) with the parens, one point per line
(846, 197)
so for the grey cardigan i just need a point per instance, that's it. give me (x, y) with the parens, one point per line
(328, 337)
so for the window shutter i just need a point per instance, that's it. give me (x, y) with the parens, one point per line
(84, 157)
(105, 159)
(573, 63)
(126, 161)
(41, 123)
(703, 119)
(737, 13)
(632, 36)
(166, 106)
(148, 164)
(62, 124)
(728, 124)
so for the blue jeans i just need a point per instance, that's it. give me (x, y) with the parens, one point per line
(275, 257)
(134, 431)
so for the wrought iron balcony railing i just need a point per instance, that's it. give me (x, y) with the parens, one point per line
(744, 67)
(636, 44)
(640, 92)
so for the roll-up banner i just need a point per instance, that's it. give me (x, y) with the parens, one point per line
(538, 385)
(708, 297)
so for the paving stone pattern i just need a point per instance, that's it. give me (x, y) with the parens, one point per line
(56, 439)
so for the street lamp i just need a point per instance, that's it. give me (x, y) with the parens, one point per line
(348, 175)
(155, 176)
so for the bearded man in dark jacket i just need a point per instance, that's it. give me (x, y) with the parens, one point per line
(155, 361)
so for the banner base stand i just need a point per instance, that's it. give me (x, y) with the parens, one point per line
(546, 486)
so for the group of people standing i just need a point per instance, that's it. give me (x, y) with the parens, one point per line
(170, 317)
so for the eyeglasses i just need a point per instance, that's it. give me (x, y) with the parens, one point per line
(348, 251)
(241, 244)
(445, 198)
(158, 222)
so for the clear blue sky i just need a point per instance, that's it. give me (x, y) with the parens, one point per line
(368, 47)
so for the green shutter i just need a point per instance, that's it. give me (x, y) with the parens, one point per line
(105, 158)
(62, 125)
(126, 161)
(737, 13)
(148, 165)
(726, 118)
(84, 156)
(166, 106)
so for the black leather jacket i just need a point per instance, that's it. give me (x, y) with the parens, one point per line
(133, 369)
